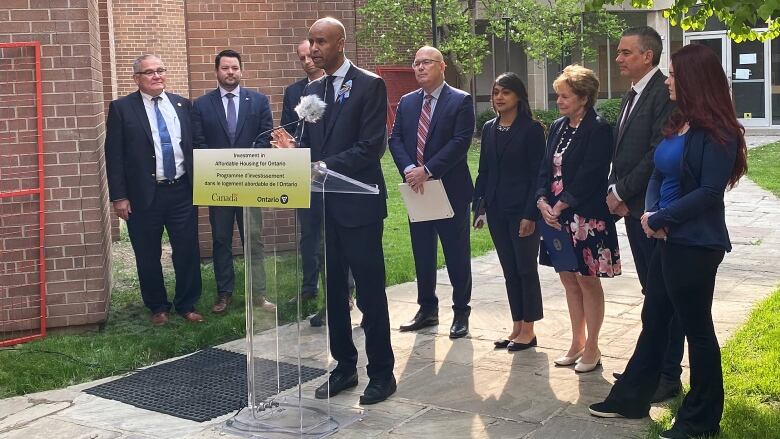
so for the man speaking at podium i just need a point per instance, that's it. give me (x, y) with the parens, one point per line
(350, 139)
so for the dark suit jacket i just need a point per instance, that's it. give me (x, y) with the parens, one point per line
(352, 144)
(632, 162)
(209, 123)
(447, 145)
(131, 165)
(585, 167)
(292, 95)
(507, 176)
(698, 217)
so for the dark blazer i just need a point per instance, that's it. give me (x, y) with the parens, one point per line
(508, 177)
(447, 145)
(131, 165)
(292, 96)
(209, 124)
(352, 144)
(698, 217)
(585, 166)
(632, 162)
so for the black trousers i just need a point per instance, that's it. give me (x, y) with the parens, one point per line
(642, 250)
(358, 248)
(171, 209)
(518, 258)
(456, 245)
(681, 283)
(222, 220)
(310, 246)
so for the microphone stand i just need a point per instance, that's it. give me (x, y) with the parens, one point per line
(266, 132)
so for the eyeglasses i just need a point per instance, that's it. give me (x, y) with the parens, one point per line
(150, 73)
(423, 62)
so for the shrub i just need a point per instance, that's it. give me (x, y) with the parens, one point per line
(609, 110)
(484, 117)
(547, 117)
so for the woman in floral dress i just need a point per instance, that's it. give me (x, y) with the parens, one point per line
(572, 183)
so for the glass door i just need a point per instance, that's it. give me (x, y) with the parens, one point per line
(746, 69)
(749, 82)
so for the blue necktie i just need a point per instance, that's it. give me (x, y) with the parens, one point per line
(169, 162)
(231, 117)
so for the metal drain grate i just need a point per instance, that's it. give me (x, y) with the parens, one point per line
(202, 386)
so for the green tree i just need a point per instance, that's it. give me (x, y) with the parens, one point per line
(555, 30)
(397, 28)
(739, 16)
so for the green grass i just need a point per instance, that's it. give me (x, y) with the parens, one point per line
(764, 167)
(751, 378)
(127, 341)
(751, 358)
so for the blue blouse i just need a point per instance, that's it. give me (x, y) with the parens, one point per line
(668, 159)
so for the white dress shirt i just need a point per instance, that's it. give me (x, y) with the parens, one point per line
(174, 130)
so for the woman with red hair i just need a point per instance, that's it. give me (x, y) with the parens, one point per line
(703, 153)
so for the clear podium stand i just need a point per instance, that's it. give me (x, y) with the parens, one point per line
(287, 358)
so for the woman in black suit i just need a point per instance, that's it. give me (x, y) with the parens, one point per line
(572, 183)
(702, 154)
(512, 149)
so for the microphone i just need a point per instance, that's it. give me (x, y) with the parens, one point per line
(309, 109)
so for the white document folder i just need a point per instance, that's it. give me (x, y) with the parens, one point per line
(432, 204)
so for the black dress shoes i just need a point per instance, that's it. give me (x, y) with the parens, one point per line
(501, 343)
(460, 327)
(609, 409)
(420, 320)
(378, 391)
(513, 346)
(667, 389)
(337, 382)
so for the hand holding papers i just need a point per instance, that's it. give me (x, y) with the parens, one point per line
(430, 203)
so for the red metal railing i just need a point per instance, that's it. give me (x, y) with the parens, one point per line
(22, 312)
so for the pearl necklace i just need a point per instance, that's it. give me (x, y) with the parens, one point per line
(558, 150)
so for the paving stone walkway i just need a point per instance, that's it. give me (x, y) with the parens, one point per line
(464, 388)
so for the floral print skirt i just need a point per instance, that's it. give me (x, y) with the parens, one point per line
(595, 244)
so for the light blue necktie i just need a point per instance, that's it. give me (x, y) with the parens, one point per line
(169, 162)
(231, 117)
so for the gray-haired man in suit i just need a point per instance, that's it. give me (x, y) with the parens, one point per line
(643, 113)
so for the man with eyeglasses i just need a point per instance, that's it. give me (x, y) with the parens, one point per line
(148, 152)
(430, 140)
(232, 116)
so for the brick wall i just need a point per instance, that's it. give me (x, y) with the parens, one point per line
(150, 26)
(77, 238)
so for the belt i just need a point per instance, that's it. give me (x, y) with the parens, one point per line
(181, 179)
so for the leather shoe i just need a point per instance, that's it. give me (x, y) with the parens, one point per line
(264, 304)
(222, 303)
(514, 346)
(159, 319)
(667, 389)
(460, 327)
(501, 343)
(675, 433)
(378, 391)
(337, 382)
(194, 317)
(306, 296)
(318, 319)
(420, 320)
(609, 409)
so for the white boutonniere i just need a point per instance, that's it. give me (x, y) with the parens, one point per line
(343, 93)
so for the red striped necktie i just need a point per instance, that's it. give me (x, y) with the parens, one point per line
(422, 129)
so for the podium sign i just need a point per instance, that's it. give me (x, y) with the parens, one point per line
(259, 177)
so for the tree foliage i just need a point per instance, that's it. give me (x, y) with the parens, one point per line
(739, 16)
(397, 28)
(554, 30)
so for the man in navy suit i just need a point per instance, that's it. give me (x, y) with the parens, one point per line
(350, 139)
(232, 116)
(430, 140)
(149, 168)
